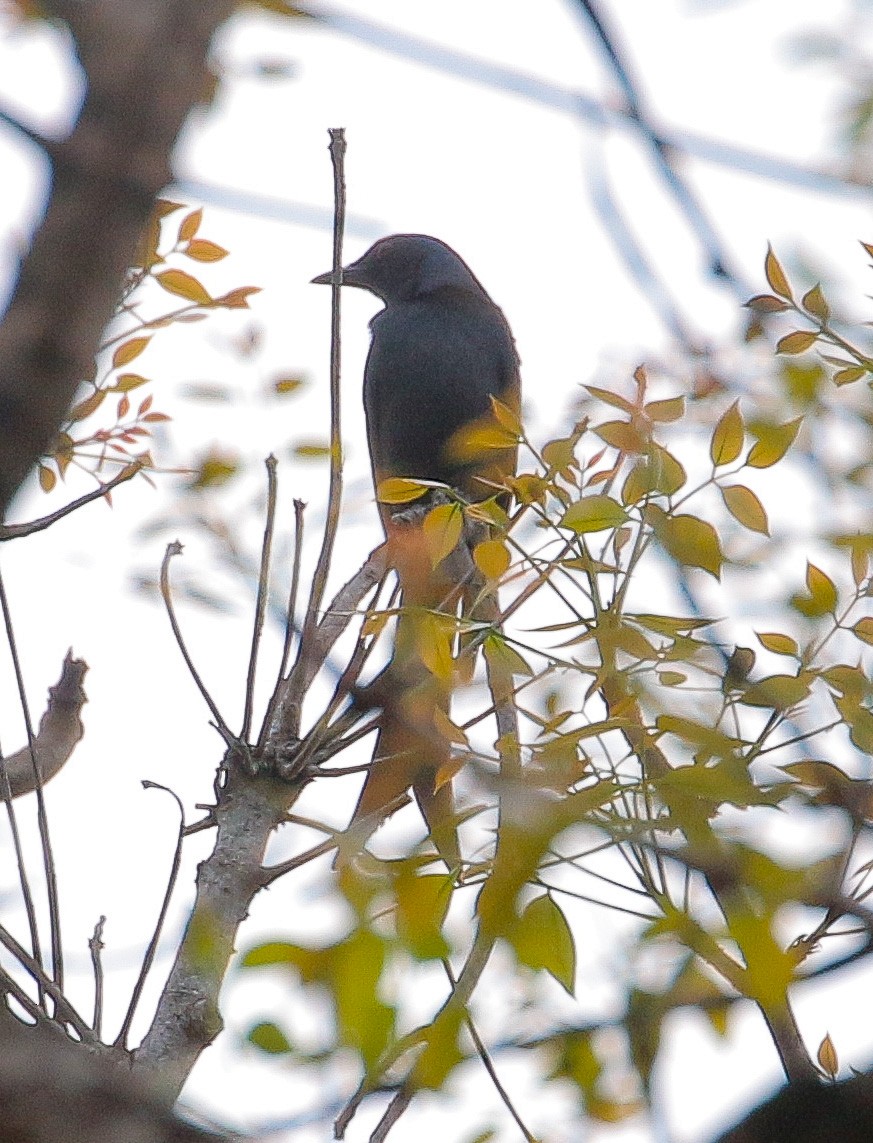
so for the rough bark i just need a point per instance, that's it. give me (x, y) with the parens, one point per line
(145, 66)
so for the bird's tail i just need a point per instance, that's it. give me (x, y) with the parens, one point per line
(414, 745)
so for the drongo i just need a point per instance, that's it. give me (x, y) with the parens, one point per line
(440, 351)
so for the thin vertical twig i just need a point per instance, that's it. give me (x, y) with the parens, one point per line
(488, 1064)
(95, 945)
(151, 951)
(174, 549)
(299, 508)
(322, 567)
(261, 602)
(42, 817)
(24, 881)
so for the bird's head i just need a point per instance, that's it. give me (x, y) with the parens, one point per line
(406, 266)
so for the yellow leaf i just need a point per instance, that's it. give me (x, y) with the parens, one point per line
(528, 488)
(745, 507)
(472, 441)
(776, 275)
(184, 286)
(860, 564)
(864, 629)
(727, 436)
(492, 558)
(47, 478)
(454, 734)
(288, 385)
(506, 417)
(164, 206)
(311, 450)
(88, 406)
(128, 350)
(669, 410)
(190, 225)
(827, 1057)
(125, 382)
(821, 588)
(772, 444)
(797, 342)
(621, 435)
(399, 490)
(433, 640)
(850, 375)
(237, 299)
(814, 303)
(666, 474)
(202, 250)
(442, 528)
(767, 304)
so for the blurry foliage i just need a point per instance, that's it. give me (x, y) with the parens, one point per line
(664, 767)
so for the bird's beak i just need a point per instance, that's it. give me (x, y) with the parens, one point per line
(325, 279)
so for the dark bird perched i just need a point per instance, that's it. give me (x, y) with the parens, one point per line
(441, 349)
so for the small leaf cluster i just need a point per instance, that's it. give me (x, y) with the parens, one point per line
(124, 422)
(849, 363)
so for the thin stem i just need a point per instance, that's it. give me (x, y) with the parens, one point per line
(42, 817)
(151, 951)
(322, 567)
(175, 549)
(95, 944)
(15, 531)
(488, 1064)
(261, 603)
(65, 1013)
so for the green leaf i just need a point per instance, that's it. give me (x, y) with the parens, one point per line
(777, 643)
(666, 473)
(422, 904)
(691, 542)
(364, 1021)
(542, 939)
(746, 508)
(269, 1038)
(593, 514)
(822, 598)
(498, 651)
(727, 436)
(779, 692)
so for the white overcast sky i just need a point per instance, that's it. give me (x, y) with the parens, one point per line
(502, 167)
